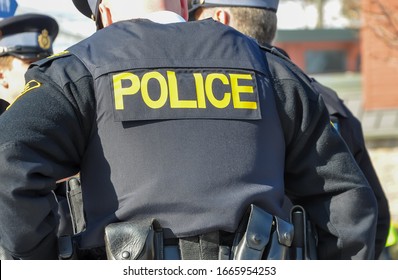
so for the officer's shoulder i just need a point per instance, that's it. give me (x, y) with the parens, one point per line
(51, 58)
(283, 68)
(63, 62)
(280, 53)
(280, 64)
(61, 67)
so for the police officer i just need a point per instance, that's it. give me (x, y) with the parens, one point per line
(257, 18)
(24, 39)
(165, 124)
(350, 129)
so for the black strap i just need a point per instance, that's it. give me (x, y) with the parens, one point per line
(189, 248)
(209, 248)
(203, 247)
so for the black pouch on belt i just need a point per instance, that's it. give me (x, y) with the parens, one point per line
(261, 235)
(133, 240)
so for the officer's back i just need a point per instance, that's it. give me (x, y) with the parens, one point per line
(184, 137)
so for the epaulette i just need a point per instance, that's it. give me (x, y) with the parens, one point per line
(281, 54)
(275, 51)
(43, 61)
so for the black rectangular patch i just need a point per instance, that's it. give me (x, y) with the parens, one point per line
(184, 94)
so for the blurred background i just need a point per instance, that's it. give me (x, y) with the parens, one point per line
(348, 45)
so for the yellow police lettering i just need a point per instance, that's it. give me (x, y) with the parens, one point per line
(200, 90)
(175, 101)
(154, 104)
(223, 103)
(120, 91)
(236, 86)
(237, 90)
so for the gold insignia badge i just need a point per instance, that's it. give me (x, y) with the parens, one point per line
(44, 40)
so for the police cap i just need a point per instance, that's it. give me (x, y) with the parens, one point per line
(264, 4)
(28, 36)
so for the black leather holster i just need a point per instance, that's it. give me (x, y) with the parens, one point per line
(262, 236)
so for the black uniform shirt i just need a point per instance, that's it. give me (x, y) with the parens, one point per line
(187, 123)
(350, 129)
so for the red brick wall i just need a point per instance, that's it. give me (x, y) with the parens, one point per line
(379, 56)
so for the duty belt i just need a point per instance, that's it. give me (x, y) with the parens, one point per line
(260, 235)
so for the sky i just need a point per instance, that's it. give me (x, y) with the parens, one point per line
(74, 26)
(292, 15)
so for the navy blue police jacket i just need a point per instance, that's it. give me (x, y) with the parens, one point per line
(187, 123)
(350, 129)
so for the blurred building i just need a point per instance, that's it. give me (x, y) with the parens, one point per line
(379, 50)
(322, 50)
(361, 65)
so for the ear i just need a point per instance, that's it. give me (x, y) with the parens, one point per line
(106, 15)
(222, 16)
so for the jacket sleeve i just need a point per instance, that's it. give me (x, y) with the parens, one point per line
(43, 135)
(351, 131)
(320, 172)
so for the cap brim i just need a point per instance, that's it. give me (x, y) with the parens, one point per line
(83, 7)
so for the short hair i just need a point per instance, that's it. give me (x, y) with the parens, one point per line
(257, 23)
(7, 60)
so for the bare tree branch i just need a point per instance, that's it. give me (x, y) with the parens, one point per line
(389, 15)
(383, 21)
